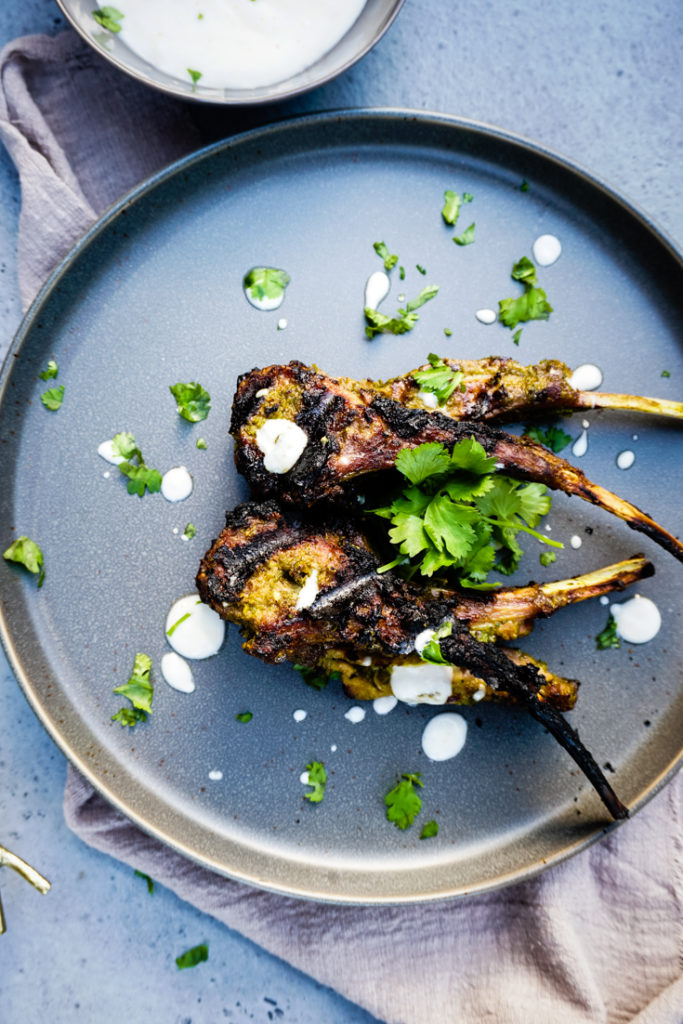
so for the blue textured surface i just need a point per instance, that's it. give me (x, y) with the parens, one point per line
(599, 82)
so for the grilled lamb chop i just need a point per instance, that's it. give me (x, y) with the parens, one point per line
(298, 588)
(345, 431)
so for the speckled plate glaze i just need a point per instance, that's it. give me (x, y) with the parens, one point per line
(152, 295)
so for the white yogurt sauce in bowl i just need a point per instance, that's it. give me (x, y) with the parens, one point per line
(235, 44)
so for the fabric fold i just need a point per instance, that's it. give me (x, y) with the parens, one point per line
(596, 940)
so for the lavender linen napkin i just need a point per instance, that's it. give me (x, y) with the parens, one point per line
(594, 941)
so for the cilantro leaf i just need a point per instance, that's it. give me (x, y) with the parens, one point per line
(420, 269)
(148, 880)
(424, 461)
(608, 637)
(531, 305)
(429, 829)
(27, 553)
(194, 75)
(192, 401)
(50, 372)
(468, 454)
(192, 957)
(524, 187)
(201, 444)
(390, 259)
(402, 273)
(139, 691)
(405, 319)
(534, 503)
(141, 477)
(552, 437)
(467, 237)
(516, 336)
(665, 373)
(265, 283)
(439, 379)
(402, 802)
(244, 717)
(409, 535)
(189, 532)
(108, 17)
(52, 398)
(547, 557)
(448, 525)
(317, 778)
(451, 207)
(432, 649)
(123, 444)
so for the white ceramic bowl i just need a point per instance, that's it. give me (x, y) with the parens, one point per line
(368, 29)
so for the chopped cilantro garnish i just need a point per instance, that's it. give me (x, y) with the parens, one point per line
(139, 692)
(390, 259)
(314, 678)
(402, 273)
(466, 238)
(189, 532)
(265, 283)
(244, 717)
(402, 802)
(665, 373)
(429, 829)
(405, 319)
(440, 379)
(420, 269)
(608, 637)
(467, 197)
(448, 332)
(52, 398)
(139, 475)
(192, 957)
(458, 514)
(27, 553)
(194, 75)
(50, 372)
(524, 187)
(148, 880)
(201, 444)
(108, 17)
(317, 778)
(432, 650)
(547, 557)
(552, 437)
(451, 207)
(171, 629)
(531, 305)
(193, 403)
(516, 336)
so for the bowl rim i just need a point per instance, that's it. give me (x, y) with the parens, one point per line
(237, 97)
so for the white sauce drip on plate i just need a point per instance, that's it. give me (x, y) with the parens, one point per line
(106, 451)
(201, 634)
(638, 620)
(626, 459)
(575, 542)
(281, 324)
(308, 592)
(383, 705)
(580, 446)
(282, 443)
(546, 250)
(586, 377)
(444, 736)
(376, 289)
(299, 715)
(176, 484)
(486, 316)
(355, 715)
(422, 684)
(177, 672)
(236, 45)
(215, 775)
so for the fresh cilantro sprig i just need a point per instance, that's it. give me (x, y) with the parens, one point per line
(552, 437)
(50, 371)
(531, 305)
(139, 691)
(27, 553)
(134, 468)
(192, 957)
(451, 206)
(608, 637)
(402, 802)
(439, 379)
(405, 319)
(108, 17)
(467, 237)
(317, 778)
(457, 513)
(194, 75)
(390, 259)
(193, 402)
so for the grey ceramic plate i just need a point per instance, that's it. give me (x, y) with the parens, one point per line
(152, 295)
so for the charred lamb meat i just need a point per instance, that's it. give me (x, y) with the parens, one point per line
(303, 437)
(305, 591)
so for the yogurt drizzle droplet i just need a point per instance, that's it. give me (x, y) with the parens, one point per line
(444, 736)
(486, 316)
(198, 636)
(626, 459)
(176, 484)
(580, 446)
(546, 250)
(376, 289)
(638, 620)
(177, 672)
(587, 377)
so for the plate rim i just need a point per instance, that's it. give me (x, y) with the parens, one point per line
(325, 893)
